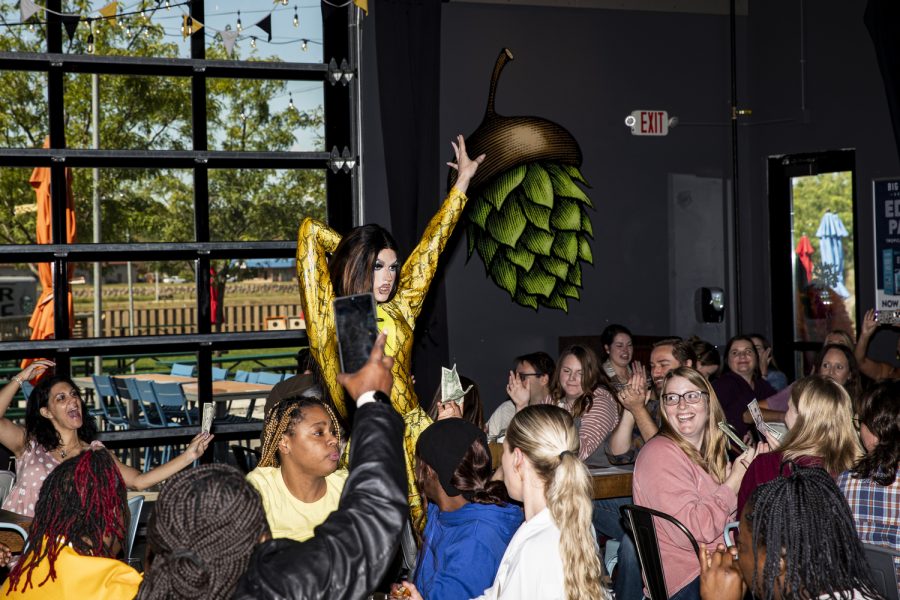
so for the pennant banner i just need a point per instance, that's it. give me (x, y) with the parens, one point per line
(266, 25)
(363, 4)
(27, 8)
(228, 38)
(70, 22)
(109, 12)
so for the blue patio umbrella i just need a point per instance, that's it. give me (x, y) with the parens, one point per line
(831, 236)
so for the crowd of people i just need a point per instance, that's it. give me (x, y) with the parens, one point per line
(353, 464)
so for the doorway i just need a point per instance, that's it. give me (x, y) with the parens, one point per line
(813, 253)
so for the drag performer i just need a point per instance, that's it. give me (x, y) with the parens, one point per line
(366, 261)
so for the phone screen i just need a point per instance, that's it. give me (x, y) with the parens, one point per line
(354, 318)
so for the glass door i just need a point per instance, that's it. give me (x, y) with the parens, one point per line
(812, 204)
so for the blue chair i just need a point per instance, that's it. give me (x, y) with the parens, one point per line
(183, 370)
(171, 398)
(156, 416)
(241, 376)
(267, 378)
(135, 504)
(12, 540)
(113, 412)
(287, 376)
(219, 374)
(253, 378)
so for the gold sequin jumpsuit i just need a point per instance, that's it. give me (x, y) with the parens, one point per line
(398, 316)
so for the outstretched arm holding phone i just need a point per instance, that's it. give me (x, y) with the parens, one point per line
(351, 550)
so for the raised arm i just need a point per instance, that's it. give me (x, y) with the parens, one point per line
(137, 480)
(419, 268)
(314, 241)
(597, 423)
(871, 368)
(13, 435)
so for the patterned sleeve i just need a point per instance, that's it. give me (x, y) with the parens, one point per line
(419, 268)
(314, 241)
(597, 423)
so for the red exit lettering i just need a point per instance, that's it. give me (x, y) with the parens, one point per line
(652, 122)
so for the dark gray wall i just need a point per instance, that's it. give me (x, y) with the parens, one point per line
(587, 69)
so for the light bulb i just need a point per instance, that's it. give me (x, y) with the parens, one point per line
(304, 45)
(284, 2)
(31, 26)
(253, 42)
(168, 6)
(90, 45)
(296, 18)
(240, 27)
(290, 101)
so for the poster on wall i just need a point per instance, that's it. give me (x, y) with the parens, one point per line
(886, 194)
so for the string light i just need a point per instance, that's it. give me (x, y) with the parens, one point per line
(240, 27)
(304, 45)
(296, 18)
(284, 2)
(168, 6)
(90, 44)
(253, 42)
(243, 114)
(290, 101)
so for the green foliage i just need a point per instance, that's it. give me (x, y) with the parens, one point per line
(531, 228)
(812, 196)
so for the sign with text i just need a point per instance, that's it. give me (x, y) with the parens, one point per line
(886, 195)
(648, 122)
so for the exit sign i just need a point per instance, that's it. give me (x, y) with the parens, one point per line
(648, 122)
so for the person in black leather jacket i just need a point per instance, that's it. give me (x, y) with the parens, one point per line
(352, 549)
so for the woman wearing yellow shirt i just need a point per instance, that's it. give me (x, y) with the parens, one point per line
(364, 261)
(297, 476)
(78, 530)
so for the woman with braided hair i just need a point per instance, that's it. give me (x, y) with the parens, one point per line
(366, 261)
(796, 540)
(77, 531)
(297, 475)
(204, 527)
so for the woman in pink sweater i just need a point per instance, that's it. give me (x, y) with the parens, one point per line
(684, 472)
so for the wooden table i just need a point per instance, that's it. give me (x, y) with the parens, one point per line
(11, 538)
(609, 482)
(223, 391)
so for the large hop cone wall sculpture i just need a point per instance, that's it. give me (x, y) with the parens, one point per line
(527, 217)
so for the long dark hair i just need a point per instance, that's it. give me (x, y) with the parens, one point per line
(473, 409)
(879, 411)
(352, 265)
(854, 383)
(757, 374)
(592, 377)
(472, 476)
(83, 504)
(608, 335)
(40, 429)
(804, 519)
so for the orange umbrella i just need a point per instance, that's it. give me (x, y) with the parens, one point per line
(41, 322)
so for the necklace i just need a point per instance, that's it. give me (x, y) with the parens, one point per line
(63, 453)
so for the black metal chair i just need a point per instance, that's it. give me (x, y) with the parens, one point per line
(645, 541)
(245, 458)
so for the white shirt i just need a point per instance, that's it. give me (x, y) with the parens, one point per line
(499, 421)
(531, 567)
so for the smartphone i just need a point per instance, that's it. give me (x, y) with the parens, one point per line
(354, 319)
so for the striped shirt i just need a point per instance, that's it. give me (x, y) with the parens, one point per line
(596, 424)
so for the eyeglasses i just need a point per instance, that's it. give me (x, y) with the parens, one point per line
(692, 397)
(523, 376)
(856, 423)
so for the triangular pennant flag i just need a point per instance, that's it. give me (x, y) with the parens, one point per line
(70, 22)
(266, 25)
(363, 4)
(109, 12)
(185, 26)
(196, 26)
(27, 8)
(228, 38)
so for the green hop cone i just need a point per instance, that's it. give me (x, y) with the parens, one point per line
(531, 228)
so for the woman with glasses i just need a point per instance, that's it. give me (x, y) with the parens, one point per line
(740, 382)
(57, 429)
(684, 472)
(821, 434)
(581, 387)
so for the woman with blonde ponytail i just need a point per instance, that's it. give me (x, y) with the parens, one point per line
(553, 555)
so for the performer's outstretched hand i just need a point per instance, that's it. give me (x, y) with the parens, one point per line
(464, 165)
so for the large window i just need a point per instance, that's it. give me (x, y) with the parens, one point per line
(186, 163)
